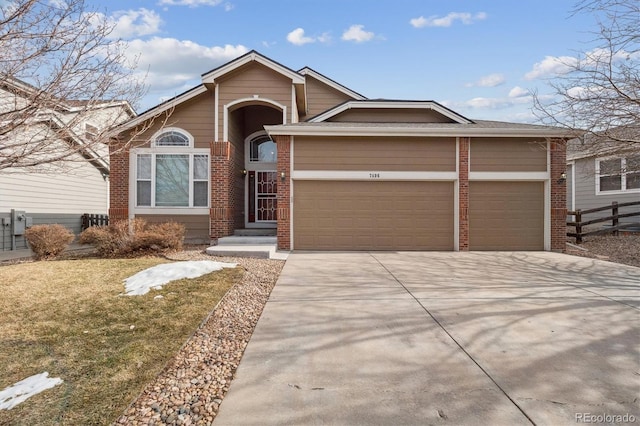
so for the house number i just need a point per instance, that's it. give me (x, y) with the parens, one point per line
(374, 175)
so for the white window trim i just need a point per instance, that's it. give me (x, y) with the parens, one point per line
(167, 209)
(164, 130)
(623, 174)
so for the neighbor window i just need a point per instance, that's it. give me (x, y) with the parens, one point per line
(171, 173)
(618, 174)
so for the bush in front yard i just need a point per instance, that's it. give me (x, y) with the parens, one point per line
(120, 239)
(48, 241)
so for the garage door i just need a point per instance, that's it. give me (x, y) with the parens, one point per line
(506, 215)
(365, 215)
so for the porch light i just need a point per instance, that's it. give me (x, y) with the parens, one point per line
(244, 172)
(563, 177)
(283, 176)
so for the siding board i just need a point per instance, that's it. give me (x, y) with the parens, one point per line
(197, 226)
(363, 154)
(321, 97)
(586, 198)
(507, 155)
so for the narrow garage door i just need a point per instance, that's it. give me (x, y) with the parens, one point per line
(506, 215)
(373, 215)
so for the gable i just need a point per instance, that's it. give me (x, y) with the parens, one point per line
(321, 96)
(388, 115)
(391, 111)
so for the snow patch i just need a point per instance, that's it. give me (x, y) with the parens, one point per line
(25, 389)
(157, 276)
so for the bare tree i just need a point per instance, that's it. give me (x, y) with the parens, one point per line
(64, 81)
(600, 95)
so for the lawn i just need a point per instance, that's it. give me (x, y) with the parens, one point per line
(69, 318)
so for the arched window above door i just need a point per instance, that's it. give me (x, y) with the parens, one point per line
(262, 150)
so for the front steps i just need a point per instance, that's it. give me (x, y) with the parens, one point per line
(260, 243)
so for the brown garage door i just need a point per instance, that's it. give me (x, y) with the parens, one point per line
(381, 215)
(506, 215)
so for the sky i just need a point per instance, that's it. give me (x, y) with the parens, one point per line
(481, 58)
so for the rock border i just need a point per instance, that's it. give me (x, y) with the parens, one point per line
(191, 387)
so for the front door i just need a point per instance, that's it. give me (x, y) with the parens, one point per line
(262, 183)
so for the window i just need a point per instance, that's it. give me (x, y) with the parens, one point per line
(172, 137)
(262, 149)
(90, 132)
(171, 173)
(172, 180)
(618, 175)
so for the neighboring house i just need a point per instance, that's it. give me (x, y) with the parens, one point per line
(59, 192)
(259, 145)
(598, 175)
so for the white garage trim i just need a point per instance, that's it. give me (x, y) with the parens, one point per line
(508, 176)
(547, 215)
(372, 175)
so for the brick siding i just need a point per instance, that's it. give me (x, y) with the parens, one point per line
(463, 195)
(284, 192)
(118, 182)
(221, 212)
(558, 195)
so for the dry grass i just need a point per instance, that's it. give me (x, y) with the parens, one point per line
(67, 318)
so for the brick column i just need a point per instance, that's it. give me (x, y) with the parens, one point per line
(220, 213)
(463, 194)
(558, 149)
(118, 181)
(284, 191)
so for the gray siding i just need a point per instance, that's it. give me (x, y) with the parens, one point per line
(71, 221)
(585, 193)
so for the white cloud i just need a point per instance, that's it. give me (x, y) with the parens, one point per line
(446, 21)
(171, 63)
(129, 23)
(518, 92)
(298, 37)
(228, 7)
(358, 34)
(132, 23)
(493, 103)
(189, 3)
(491, 80)
(551, 66)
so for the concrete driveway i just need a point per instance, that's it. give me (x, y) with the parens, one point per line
(443, 338)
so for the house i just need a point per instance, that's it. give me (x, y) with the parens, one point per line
(56, 191)
(603, 173)
(259, 145)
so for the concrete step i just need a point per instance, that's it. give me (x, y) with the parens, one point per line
(236, 240)
(255, 232)
(263, 251)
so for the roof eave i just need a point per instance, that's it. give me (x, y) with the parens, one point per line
(279, 130)
(157, 110)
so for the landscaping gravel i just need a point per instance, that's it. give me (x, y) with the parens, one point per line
(623, 248)
(191, 387)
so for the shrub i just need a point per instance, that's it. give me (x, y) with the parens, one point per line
(118, 240)
(48, 241)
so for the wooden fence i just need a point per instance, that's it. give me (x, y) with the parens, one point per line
(579, 223)
(89, 220)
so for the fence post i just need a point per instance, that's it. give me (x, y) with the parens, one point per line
(614, 213)
(578, 226)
